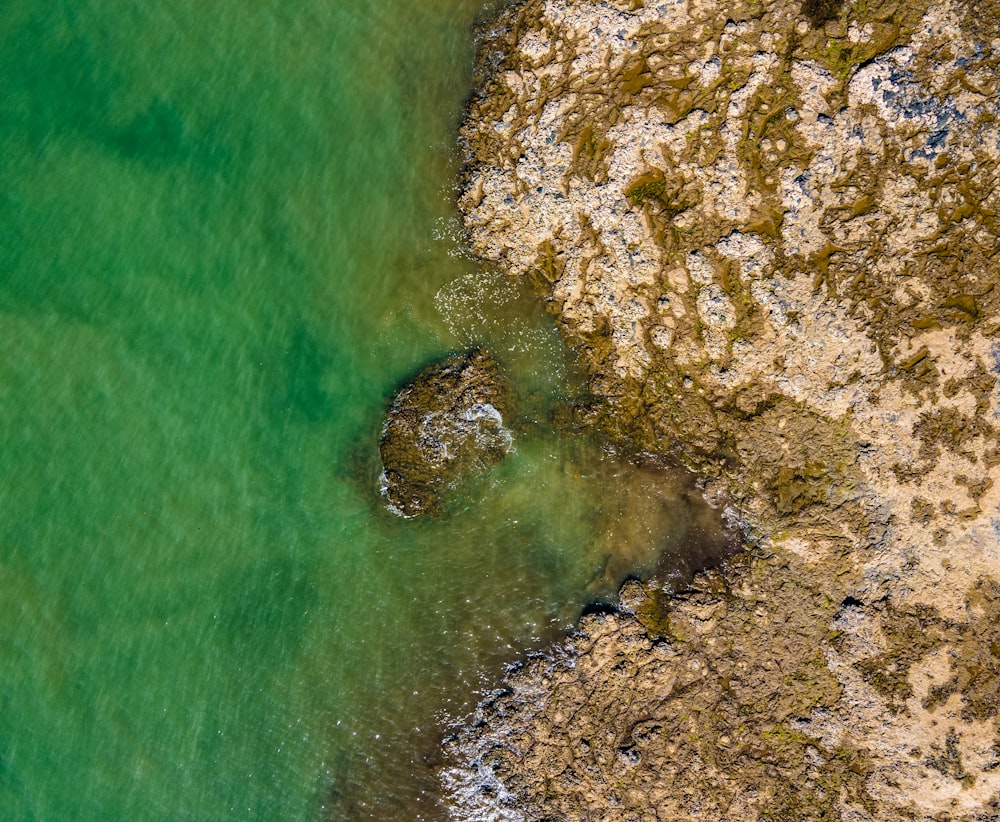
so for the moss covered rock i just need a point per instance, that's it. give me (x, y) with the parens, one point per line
(443, 426)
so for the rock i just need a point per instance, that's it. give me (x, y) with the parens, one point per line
(770, 230)
(441, 428)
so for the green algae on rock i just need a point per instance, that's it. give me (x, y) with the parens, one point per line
(443, 426)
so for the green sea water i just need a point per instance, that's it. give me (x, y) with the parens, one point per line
(227, 236)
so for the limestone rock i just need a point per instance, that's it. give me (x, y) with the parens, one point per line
(770, 228)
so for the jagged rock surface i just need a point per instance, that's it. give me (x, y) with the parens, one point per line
(771, 231)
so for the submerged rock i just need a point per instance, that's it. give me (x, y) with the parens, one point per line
(441, 428)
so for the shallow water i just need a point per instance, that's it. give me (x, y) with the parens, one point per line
(228, 236)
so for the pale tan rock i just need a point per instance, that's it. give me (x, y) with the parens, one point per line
(775, 241)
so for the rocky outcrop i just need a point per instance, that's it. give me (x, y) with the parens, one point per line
(770, 228)
(441, 428)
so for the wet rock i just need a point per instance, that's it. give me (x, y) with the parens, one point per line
(442, 427)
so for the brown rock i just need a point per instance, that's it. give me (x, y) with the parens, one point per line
(770, 230)
(442, 427)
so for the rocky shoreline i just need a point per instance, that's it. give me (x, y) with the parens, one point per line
(770, 230)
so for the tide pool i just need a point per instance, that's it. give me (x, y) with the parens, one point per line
(227, 236)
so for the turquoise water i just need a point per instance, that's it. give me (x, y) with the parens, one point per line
(227, 236)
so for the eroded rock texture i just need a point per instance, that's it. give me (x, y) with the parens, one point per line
(771, 230)
(441, 428)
